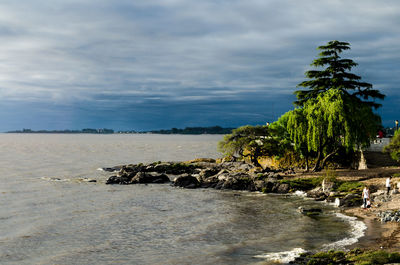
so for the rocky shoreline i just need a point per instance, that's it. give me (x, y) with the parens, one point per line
(239, 175)
(227, 175)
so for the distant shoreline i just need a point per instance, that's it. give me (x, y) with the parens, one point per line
(186, 131)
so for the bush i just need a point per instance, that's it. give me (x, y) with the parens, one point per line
(394, 147)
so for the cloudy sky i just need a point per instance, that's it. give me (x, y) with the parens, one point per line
(152, 64)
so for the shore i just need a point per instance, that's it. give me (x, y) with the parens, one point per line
(379, 235)
(332, 185)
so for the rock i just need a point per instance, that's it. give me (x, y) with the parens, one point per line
(389, 216)
(351, 200)
(199, 160)
(309, 211)
(186, 181)
(143, 177)
(208, 172)
(261, 185)
(245, 167)
(121, 178)
(113, 180)
(281, 188)
(238, 182)
(316, 193)
(111, 169)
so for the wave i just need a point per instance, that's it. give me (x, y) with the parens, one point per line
(54, 179)
(283, 257)
(357, 231)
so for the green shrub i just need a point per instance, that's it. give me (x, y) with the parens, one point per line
(375, 257)
(325, 258)
(355, 256)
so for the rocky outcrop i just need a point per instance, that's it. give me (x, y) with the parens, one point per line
(202, 173)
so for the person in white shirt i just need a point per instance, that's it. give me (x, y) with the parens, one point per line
(365, 196)
(388, 185)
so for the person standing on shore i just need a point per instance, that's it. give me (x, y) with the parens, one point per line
(388, 185)
(365, 196)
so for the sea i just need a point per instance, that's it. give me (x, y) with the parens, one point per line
(51, 214)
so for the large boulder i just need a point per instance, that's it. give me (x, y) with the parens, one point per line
(351, 200)
(281, 188)
(238, 182)
(208, 172)
(113, 180)
(144, 177)
(186, 181)
(317, 193)
(123, 178)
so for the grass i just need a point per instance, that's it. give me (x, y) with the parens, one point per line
(350, 186)
(356, 256)
(305, 184)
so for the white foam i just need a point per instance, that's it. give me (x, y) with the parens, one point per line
(54, 179)
(283, 257)
(100, 169)
(300, 193)
(357, 231)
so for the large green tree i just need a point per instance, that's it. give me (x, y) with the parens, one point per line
(336, 110)
(332, 121)
(333, 72)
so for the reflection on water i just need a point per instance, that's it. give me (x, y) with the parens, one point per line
(73, 222)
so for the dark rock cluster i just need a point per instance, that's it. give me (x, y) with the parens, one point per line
(389, 216)
(201, 173)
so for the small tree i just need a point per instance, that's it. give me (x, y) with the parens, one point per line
(252, 142)
(394, 147)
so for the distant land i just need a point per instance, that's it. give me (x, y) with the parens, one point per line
(195, 130)
(92, 131)
(187, 130)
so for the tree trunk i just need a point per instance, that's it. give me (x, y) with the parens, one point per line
(255, 162)
(327, 157)
(307, 167)
(254, 158)
(316, 167)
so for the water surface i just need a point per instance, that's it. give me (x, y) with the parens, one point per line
(49, 216)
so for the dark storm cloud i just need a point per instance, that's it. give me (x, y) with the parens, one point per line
(153, 64)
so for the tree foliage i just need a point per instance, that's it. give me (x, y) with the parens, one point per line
(331, 121)
(336, 75)
(394, 147)
(336, 110)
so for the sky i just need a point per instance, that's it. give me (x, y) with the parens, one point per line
(158, 64)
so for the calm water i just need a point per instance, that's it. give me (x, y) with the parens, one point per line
(68, 221)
